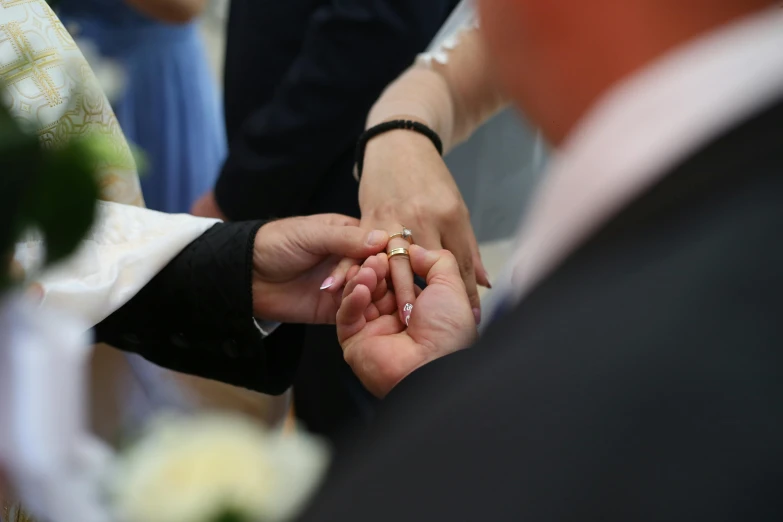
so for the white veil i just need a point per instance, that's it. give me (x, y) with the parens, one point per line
(498, 167)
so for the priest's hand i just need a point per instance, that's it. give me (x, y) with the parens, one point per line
(297, 274)
(379, 348)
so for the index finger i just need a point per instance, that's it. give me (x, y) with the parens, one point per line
(341, 240)
(335, 219)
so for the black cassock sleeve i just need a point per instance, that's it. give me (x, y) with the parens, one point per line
(196, 316)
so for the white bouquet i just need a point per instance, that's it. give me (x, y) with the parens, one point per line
(215, 468)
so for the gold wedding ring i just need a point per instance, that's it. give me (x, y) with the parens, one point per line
(406, 234)
(398, 252)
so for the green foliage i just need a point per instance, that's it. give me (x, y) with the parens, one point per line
(53, 191)
(18, 157)
(62, 203)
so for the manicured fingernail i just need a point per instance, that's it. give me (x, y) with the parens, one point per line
(477, 315)
(376, 237)
(406, 313)
(486, 276)
(327, 283)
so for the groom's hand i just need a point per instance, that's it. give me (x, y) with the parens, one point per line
(296, 275)
(379, 348)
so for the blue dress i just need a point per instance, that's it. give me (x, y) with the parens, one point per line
(169, 108)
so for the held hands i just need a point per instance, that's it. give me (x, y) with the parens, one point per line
(376, 343)
(298, 277)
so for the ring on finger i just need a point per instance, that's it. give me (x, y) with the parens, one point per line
(398, 252)
(406, 234)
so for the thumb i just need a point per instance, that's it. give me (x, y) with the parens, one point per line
(344, 241)
(434, 265)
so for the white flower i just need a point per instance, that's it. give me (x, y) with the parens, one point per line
(195, 469)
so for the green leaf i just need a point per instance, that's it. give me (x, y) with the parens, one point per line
(63, 203)
(19, 157)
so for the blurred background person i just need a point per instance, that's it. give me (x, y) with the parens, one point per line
(170, 107)
(300, 77)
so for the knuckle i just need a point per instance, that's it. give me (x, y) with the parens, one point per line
(465, 265)
(420, 212)
(381, 213)
(448, 257)
(394, 213)
(454, 209)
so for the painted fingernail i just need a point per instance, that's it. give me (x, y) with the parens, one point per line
(376, 237)
(477, 315)
(486, 276)
(406, 313)
(327, 283)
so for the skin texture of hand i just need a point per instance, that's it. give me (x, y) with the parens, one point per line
(378, 347)
(296, 277)
(406, 182)
(206, 206)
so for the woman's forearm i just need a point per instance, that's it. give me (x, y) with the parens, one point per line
(453, 95)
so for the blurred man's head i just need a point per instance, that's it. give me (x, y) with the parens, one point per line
(557, 57)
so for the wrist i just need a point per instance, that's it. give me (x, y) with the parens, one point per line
(387, 144)
(397, 144)
(407, 126)
(399, 163)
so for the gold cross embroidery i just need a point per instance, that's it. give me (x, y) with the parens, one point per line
(14, 3)
(59, 29)
(31, 64)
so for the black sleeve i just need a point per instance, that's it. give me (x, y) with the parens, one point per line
(513, 431)
(352, 50)
(196, 316)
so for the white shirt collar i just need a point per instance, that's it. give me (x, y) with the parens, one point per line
(641, 129)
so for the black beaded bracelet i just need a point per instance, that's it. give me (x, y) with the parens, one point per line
(386, 127)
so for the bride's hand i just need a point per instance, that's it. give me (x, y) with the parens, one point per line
(296, 276)
(379, 348)
(406, 182)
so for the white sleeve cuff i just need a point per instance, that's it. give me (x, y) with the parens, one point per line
(266, 327)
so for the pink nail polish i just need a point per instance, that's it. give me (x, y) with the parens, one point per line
(489, 282)
(477, 315)
(406, 313)
(327, 283)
